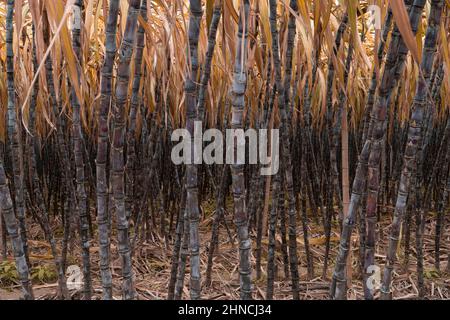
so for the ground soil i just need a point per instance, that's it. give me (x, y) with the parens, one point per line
(152, 266)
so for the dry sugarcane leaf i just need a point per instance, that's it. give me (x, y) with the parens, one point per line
(264, 20)
(89, 17)
(445, 45)
(352, 7)
(209, 12)
(231, 7)
(18, 23)
(402, 21)
(305, 38)
(59, 17)
(322, 240)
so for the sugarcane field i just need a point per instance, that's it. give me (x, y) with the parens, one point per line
(224, 150)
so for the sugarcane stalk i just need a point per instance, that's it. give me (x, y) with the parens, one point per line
(78, 149)
(134, 101)
(237, 169)
(13, 131)
(277, 202)
(413, 143)
(102, 148)
(118, 141)
(285, 152)
(370, 156)
(192, 204)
